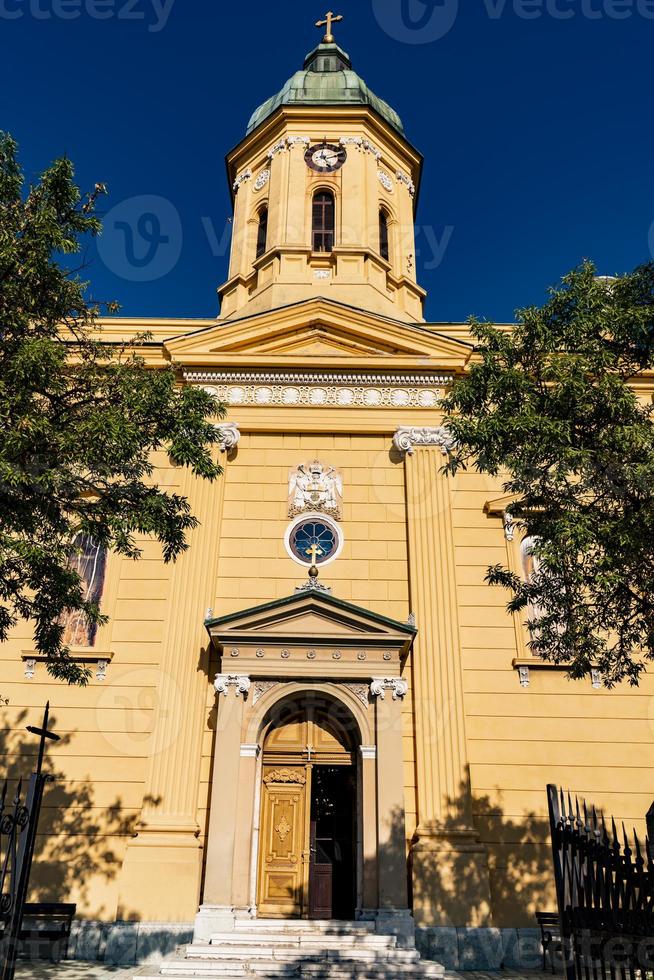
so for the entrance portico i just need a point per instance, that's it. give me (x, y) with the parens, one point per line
(310, 695)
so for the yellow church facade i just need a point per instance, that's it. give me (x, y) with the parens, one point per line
(321, 711)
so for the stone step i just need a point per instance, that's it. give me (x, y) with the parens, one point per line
(364, 939)
(295, 954)
(305, 971)
(325, 927)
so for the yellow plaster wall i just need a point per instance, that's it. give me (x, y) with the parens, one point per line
(99, 766)
(597, 743)
(371, 571)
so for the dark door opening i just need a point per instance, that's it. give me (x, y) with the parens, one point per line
(332, 870)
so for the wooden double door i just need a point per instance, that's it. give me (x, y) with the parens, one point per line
(307, 866)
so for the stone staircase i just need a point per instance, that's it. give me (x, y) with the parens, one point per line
(273, 949)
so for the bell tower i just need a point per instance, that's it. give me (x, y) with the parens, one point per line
(325, 187)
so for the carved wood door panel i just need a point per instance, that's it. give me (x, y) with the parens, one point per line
(283, 863)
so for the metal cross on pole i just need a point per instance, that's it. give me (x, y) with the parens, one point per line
(23, 840)
(330, 18)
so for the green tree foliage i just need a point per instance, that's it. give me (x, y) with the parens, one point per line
(79, 418)
(558, 406)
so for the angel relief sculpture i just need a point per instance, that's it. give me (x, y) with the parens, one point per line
(315, 487)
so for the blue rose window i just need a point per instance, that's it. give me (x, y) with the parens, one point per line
(313, 541)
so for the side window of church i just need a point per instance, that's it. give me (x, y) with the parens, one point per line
(529, 562)
(90, 561)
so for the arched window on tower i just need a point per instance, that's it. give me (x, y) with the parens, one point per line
(384, 250)
(262, 232)
(323, 221)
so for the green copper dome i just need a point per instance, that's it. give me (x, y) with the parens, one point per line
(326, 79)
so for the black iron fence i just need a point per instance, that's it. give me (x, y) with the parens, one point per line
(605, 893)
(19, 819)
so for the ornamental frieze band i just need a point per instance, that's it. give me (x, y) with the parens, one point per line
(324, 390)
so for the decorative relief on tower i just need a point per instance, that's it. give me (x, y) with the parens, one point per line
(406, 180)
(409, 436)
(298, 140)
(241, 179)
(385, 181)
(362, 143)
(315, 487)
(278, 147)
(262, 180)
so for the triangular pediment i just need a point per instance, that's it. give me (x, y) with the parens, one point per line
(311, 614)
(319, 333)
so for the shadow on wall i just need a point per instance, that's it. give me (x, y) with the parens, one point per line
(519, 862)
(75, 843)
(517, 854)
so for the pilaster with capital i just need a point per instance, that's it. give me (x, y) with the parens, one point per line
(167, 845)
(445, 827)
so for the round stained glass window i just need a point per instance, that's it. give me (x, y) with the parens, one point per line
(314, 539)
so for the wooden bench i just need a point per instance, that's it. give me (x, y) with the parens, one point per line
(550, 933)
(47, 922)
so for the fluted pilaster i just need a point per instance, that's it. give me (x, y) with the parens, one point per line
(167, 847)
(438, 684)
(447, 846)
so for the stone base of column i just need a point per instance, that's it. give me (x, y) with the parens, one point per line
(160, 877)
(211, 919)
(451, 882)
(396, 922)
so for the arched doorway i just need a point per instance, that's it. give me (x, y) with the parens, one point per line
(309, 811)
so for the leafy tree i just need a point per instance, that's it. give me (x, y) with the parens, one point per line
(560, 407)
(80, 418)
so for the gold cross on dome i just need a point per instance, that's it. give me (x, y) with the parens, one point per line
(330, 18)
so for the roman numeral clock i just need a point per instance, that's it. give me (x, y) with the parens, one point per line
(325, 158)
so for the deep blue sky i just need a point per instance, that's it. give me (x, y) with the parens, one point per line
(537, 132)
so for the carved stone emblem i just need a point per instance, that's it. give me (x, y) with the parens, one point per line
(315, 486)
(285, 776)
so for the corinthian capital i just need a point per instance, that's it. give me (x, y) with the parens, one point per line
(240, 682)
(407, 437)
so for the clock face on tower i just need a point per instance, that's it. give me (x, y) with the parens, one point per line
(325, 158)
